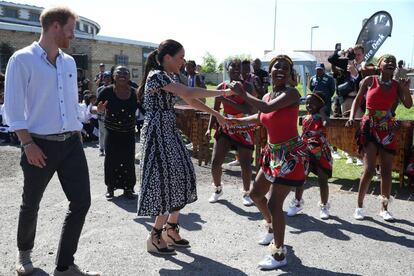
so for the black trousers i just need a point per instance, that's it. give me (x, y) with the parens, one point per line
(68, 159)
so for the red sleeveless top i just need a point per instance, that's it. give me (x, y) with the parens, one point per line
(228, 109)
(281, 124)
(379, 98)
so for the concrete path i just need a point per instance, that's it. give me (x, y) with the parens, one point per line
(223, 235)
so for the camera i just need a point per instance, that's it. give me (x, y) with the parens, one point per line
(341, 62)
(350, 55)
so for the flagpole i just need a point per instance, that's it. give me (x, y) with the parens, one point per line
(274, 27)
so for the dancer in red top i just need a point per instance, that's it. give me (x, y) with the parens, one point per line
(376, 135)
(320, 160)
(283, 160)
(241, 140)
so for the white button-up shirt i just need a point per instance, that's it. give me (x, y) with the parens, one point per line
(39, 96)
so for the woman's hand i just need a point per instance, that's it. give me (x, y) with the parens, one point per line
(404, 83)
(349, 123)
(101, 107)
(237, 87)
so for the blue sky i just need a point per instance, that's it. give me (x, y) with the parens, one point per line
(233, 27)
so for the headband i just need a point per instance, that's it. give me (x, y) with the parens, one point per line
(383, 57)
(280, 57)
(317, 96)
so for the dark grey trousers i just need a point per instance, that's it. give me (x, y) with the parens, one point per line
(68, 159)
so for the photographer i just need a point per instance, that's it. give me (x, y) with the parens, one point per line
(347, 72)
(347, 69)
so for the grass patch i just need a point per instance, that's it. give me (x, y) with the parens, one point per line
(403, 113)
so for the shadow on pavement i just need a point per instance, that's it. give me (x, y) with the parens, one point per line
(39, 272)
(295, 267)
(199, 266)
(189, 222)
(129, 205)
(304, 223)
(250, 215)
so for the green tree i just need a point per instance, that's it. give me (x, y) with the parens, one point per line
(209, 63)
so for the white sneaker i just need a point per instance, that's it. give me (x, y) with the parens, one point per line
(359, 214)
(271, 263)
(74, 270)
(24, 265)
(234, 163)
(324, 212)
(386, 215)
(247, 201)
(218, 192)
(267, 239)
(359, 162)
(189, 146)
(295, 207)
(335, 155)
(349, 160)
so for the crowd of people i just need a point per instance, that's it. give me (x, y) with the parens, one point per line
(51, 138)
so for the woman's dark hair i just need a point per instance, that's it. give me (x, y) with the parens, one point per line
(246, 62)
(192, 62)
(155, 60)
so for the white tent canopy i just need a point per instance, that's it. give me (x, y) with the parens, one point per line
(303, 63)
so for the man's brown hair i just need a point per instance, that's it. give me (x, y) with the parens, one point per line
(59, 14)
(360, 47)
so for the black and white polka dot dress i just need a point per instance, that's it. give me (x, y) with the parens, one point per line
(168, 181)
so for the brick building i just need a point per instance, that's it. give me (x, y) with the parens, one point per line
(20, 26)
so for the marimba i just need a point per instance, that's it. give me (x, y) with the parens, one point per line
(194, 124)
(344, 138)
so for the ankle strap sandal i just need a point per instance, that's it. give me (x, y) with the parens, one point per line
(157, 233)
(170, 239)
(172, 226)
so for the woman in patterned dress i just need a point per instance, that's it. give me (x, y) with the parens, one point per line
(168, 182)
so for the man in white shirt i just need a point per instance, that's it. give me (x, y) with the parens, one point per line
(41, 102)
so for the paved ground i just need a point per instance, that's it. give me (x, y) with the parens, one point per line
(223, 235)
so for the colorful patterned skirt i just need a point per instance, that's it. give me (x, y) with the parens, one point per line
(285, 163)
(378, 127)
(242, 136)
(319, 152)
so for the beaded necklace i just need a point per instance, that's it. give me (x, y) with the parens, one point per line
(386, 83)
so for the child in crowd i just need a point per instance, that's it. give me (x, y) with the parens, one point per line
(320, 160)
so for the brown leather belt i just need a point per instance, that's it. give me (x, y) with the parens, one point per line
(60, 137)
